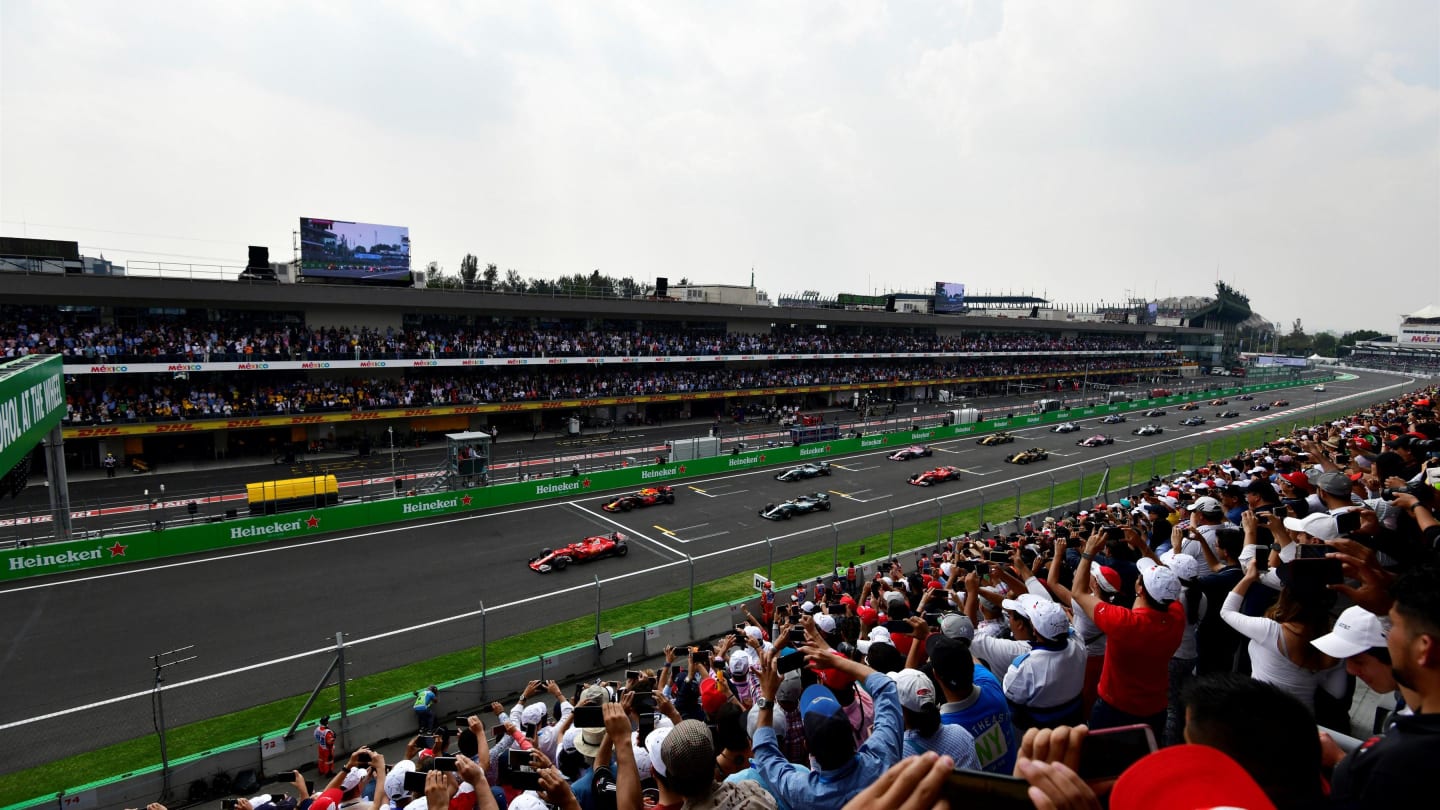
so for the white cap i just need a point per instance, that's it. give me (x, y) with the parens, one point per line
(754, 632)
(395, 780)
(1320, 525)
(653, 741)
(353, 778)
(529, 800)
(1047, 617)
(915, 688)
(1160, 582)
(825, 623)
(879, 635)
(1205, 504)
(957, 627)
(1356, 631)
(533, 715)
(807, 607)
(1184, 566)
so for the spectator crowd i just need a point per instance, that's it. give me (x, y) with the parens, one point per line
(100, 399)
(29, 330)
(1197, 644)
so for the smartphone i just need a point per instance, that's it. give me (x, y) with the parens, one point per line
(932, 619)
(522, 774)
(632, 674)
(643, 703)
(364, 759)
(425, 741)
(790, 662)
(700, 656)
(897, 626)
(498, 732)
(795, 637)
(1001, 557)
(589, 717)
(1105, 754)
(1262, 558)
(1281, 511)
(228, 804)
(415, 782)
(1348, 522)
(1310, 551)
(445, 764)
(1312, 576)
(967, 788)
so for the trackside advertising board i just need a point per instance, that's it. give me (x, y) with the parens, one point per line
(32, 403)
(54, 558)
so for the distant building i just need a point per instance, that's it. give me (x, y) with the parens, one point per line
(101, 266)
(730, 294)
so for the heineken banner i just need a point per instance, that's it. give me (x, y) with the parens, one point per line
(32, 403)
(75, 555)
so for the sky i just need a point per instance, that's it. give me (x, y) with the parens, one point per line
(1080, 151)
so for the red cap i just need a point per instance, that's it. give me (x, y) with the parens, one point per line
(327, 799)
(834, 678)
(712, 698)
(847, 599)
(1298, 479)
(1187, 777)
(868, 615)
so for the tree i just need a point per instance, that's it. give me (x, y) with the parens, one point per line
(1325, 344)
(469, 268)
(491, 273)
(1349, 339)
(514, 282)
(1297, 342)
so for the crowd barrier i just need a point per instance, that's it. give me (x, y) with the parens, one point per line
(82, 554)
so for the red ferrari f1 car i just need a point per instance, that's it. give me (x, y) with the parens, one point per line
(591, 548)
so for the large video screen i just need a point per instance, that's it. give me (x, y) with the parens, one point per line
(949, 297)
(355, 251)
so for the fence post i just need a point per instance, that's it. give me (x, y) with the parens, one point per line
(835, 558)
(982, 507)
(770, 566)
(484, 669)
(1017, 506)
(344, 704)
(939, 523)
(691, 560)
(1051, 507)
(1080, 491)
(892, 534)
(597, 604)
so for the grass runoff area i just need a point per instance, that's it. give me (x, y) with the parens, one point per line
(250, 724)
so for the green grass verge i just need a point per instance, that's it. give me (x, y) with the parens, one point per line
(125, 757)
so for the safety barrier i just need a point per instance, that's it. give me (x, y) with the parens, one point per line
(73, 555)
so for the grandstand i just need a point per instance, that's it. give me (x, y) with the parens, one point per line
(159, 368)
(1415, 348)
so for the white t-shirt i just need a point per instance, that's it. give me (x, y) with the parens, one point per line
(1046, 679)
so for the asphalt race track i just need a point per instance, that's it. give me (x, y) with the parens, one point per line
(73, 641)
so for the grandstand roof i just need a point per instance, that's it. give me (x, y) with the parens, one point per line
(1429, 313)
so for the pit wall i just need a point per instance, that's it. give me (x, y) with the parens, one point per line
(120, 549)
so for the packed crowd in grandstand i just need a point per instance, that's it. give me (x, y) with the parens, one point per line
(159, 397)
(34, 330)
(1223, 614)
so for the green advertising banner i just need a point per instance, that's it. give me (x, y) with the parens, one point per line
(54, 558)
(32, 403)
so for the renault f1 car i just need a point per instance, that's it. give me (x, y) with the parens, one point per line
(1095, 441)
(938, 475)
(1189, 406)
(648, 496)
(1220, 401)
(1027, 456)
(995, 438)
(591, 548)
(913, 451)
(1113, 419)
(1193, 421)
(803, 505)
(1065, 427)
(804, 471)
(1280, 403)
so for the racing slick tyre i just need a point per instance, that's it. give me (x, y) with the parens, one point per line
(825, 471)
(626, 506)
(669, 499)
(785, 515)
(622, 549)
(825, 506)
(560, 563)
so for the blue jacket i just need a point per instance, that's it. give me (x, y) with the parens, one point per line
(830, 790)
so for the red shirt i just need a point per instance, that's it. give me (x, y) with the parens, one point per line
(1138, 646)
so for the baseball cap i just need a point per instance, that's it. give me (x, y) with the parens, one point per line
(1109, 579)
(1206, 504)
(1160, 582)
(1321, 525)
(821, 713)
(807, 607)
(711, 699)
(738, 666)
(867, 614)
(915, 688)
(957, 627)
(949, 659)
(825, 623)
(1333, 483)
(395, 780)
(328, 798)
(1187, 777)
(1184, 566)
(1047, 617)
(533, 714)
(878, 635)
(1299, 480)
(353, 778)
(653, 743)
(1356, 631)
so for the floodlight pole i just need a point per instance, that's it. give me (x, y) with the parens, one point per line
(160, 664)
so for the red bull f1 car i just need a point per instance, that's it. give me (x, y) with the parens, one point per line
(640, 499)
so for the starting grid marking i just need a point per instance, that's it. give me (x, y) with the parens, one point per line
(852, 496)
(710, 494)
(674, 534)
